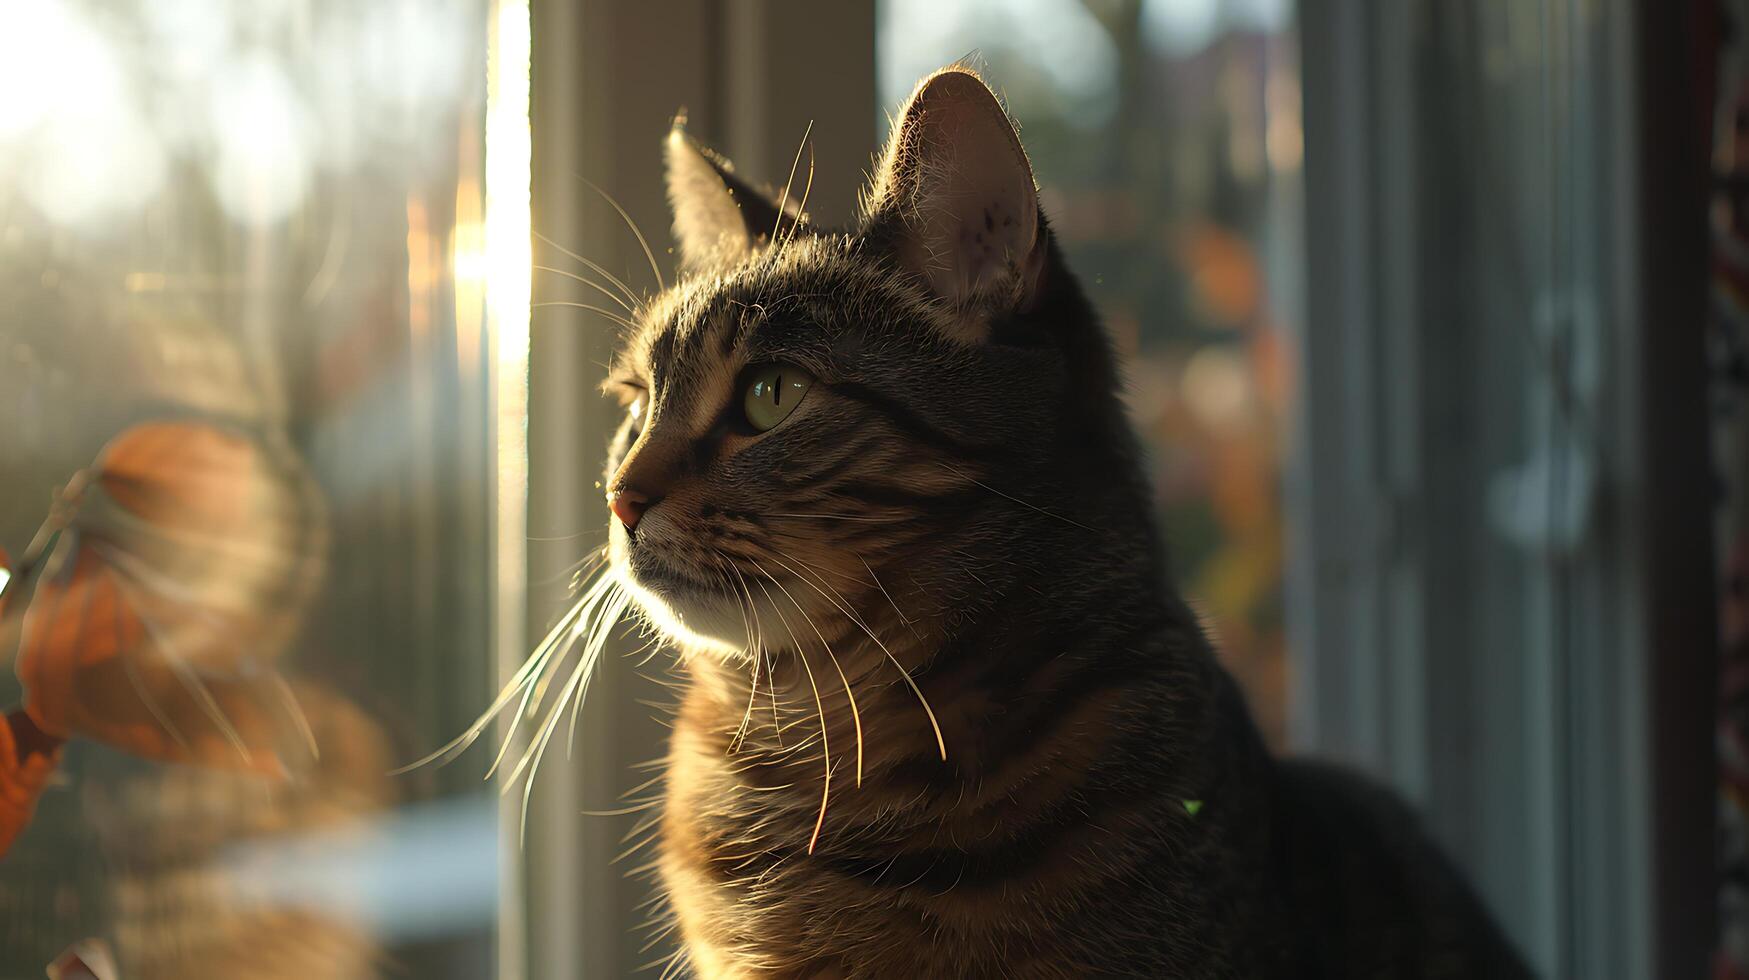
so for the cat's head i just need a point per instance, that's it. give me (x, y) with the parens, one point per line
(827, 426)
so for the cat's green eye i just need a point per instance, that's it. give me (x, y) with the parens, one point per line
(772, 392)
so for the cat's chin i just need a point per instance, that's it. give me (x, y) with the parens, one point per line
(697, 623)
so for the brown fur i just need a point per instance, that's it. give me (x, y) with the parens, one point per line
(951, 533)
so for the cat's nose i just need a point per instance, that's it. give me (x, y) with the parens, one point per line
(628, 505)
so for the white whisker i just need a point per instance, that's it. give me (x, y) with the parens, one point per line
(633, 225)
(783, 199)
(855, 715)
(819, 705)
(585, 280)
(615, 317)
(594, 267)
(844, 607)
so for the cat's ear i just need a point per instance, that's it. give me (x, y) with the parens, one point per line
(719, 219)
(957, 184)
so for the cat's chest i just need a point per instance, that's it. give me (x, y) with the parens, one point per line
(750, 897)
(877, 896)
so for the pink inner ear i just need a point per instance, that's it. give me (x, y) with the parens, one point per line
(989, 243)
(973, 188)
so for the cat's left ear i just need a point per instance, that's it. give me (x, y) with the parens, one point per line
(957, 186)
(719, 220)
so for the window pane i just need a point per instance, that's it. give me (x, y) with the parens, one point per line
(1166, 139)
(254, 229)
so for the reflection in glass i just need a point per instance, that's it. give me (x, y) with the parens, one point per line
(244, 247)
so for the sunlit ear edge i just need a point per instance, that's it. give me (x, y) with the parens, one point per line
(719, 219)
(954, 161)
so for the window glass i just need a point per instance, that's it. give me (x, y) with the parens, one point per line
(1166, 139)
(240, 258)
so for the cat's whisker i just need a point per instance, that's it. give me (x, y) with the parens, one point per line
(651, 803)
(535, 691)
(1030, 506)
(643, 243)
(608, 613)
(578, 571)
(557, 538)
(753, 691)
(601, 588)
(537, 746)
(642, 656)
(598, 643)
(598, 269)
(819, 705)
(519, 683)
(585, 280)
(876, 579)
(606, 610)
(844, 607)
(855, 715)
(795, 227)
(602, 310)
(674, 964)
(783, 199)
(724, 563)
(840, 517)
(760, 645)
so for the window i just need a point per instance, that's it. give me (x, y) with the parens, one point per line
(266, 216)
(1166, 139)
(1495, 598)
(1392, 284)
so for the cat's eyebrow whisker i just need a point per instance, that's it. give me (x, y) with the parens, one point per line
(615, 317)
(795, 226)
(783, 199)
(596, 268)
(585, 280)
(844, 607)
(855, 715)
(819, 705)
(643, 243)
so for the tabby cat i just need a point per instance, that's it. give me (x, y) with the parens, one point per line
(944, 714)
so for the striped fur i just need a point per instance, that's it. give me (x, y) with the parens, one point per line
(945, 714)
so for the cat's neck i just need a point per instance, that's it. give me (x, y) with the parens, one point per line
(940, 708)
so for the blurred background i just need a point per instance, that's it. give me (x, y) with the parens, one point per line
(1432, 318)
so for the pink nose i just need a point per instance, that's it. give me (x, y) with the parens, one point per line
(628, 505)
